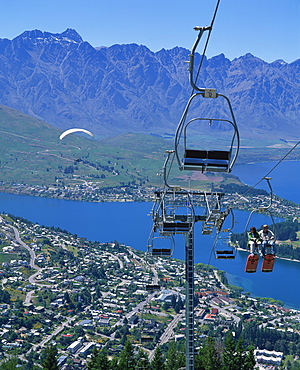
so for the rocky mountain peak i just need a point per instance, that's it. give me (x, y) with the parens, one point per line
(110, 90)
(40, 37)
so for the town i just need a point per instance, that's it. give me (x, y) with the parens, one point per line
(90, 192)
(77, 294)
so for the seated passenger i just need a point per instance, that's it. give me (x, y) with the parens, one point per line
(254, 240)
(268, 240)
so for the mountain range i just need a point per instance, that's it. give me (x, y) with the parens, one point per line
(63, 80)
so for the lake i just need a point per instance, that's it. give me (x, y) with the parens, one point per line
(129, 223)
(285, 177)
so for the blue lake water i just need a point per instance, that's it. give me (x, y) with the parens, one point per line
(130, 224)
(285, 177)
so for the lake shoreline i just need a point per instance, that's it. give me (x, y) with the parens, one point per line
(277, 257)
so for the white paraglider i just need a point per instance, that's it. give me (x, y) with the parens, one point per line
(73, 130)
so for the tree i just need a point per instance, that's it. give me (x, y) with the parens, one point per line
(114, 363)
(250, 361)
(158, 360)
(127, 359)
(50, 358)
(10, 364)
(99, 360)
(166, 306)
(235, 357)
(179, 305)
(142, 361)
(4, 296)
(230, 357)
(93, 363)
(175, 358)
(208, 357)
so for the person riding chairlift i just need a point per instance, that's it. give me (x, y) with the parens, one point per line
(254, 240)
(268, 240)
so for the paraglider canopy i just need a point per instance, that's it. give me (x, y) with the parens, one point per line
(73, 130)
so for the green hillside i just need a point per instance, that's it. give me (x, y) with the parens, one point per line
(32, 154)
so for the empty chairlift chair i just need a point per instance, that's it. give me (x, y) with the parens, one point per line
(206, 160)
(223, 246)
(202, 159)
(223, 249)
(214, 215)
(152, 287)
(161, 252)
(174, 214)
(161, 245)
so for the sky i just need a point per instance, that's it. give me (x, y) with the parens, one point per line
(268, 29)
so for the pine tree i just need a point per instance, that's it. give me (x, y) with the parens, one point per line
(92, 364)
(158, 360)
(99, 360)
(235, 357)
(10, 364)
(114, 363)
(239, 355)
(229, 353)
(127, 359)
(175, 358)
(142, 361)
(208, 357)
(249, 362)
(50, 360)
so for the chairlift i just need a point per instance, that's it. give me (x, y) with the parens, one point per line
(160, 245)
(264, 209)
(201, 159)
(173, 212)
(152, 287)
(161, 252)
(222, 245)
(215, 217)
(223, 248)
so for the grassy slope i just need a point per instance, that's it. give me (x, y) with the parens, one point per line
(31, 153)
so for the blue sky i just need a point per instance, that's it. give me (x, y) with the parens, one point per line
(268, 29)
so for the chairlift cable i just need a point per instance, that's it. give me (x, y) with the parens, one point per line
(206, 43)
(283, 158)
(272, 169)
(210, 255)
(170, 167)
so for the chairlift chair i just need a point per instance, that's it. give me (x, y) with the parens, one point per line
(152, 287)
(174, 212)
(264, 209)
(160, 245)
(214, 215)
(222, 247)
(201, 159)
(222, 244)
